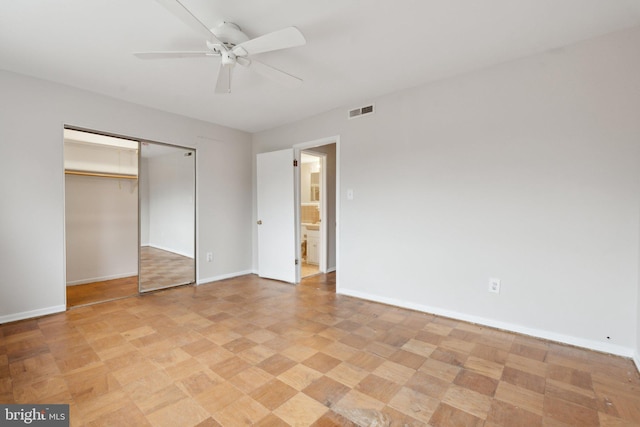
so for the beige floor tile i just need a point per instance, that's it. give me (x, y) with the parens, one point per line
(272, 421)
(273, 394)
(449, 416)
(467, 400)
(300, 410)
(484, 367)
(160, 398)
(104, 404)
(134, 371)
(394, 372)
(428, 385)
(321, 362)
(148, 385)
(244, 411)
(419, 347)
(218, 397)
(520, 397)
(347, 374)
(250, 378)
(185, 412)
(298, 352)
(358, 407)
(128, 415)
(53, 389)
(257, 354)
(299, 376)
(414, 404)
(440, 369)
(377, 387)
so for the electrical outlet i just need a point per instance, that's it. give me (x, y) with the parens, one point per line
(209, 256)
(494, 285)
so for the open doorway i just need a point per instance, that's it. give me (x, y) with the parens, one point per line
(317, 225)
(278, 218)
(312, 211)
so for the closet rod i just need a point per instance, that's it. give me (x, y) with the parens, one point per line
(103, 175)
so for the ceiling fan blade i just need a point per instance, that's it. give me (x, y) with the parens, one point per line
(274, 74)
(281, 39)
(223, 85)
(171, 54)
(181, 12)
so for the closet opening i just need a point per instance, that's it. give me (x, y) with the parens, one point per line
(129, 216)
(101, 217)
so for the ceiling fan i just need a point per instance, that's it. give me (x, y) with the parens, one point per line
(232, 46)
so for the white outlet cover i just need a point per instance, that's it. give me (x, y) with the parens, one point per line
(494, 285)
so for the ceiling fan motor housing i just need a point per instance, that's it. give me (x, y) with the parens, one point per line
(230, 34)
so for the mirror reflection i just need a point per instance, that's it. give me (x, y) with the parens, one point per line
(167, 216)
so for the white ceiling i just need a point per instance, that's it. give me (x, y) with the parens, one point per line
(356, 50)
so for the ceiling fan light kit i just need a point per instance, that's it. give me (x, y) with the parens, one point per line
(232, 46)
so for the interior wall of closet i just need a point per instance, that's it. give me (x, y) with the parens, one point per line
(101, 207)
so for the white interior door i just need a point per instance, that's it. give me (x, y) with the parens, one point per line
(276, 216)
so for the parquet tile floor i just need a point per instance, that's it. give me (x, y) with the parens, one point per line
(160, 269)
(90, 293)
(249, 351)
(307, 270)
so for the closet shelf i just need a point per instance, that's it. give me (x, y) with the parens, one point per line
(100, 174)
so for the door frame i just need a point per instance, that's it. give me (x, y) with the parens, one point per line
(297, 149)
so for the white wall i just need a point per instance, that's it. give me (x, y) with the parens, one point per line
(527, 171)
(171, 203)
(101, 217)
(32, 115)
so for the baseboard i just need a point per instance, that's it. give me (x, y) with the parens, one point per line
(331, 269)
(162, 248)
(101, 279)
(223, 277)
(538, 333)
(636, 360)
(33, 313)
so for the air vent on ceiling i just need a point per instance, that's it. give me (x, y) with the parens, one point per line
(362, 111)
